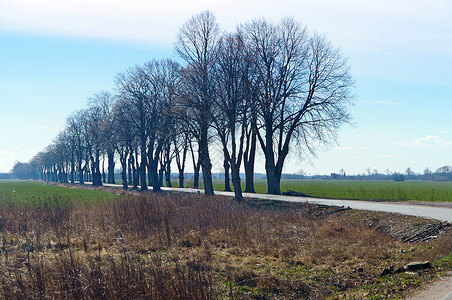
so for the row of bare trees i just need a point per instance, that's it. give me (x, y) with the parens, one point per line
(270, 85)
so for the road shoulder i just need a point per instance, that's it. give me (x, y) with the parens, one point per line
(439, 290)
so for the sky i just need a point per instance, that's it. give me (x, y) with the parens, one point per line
(55, 54)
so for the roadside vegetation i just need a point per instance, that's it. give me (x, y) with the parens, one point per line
(183, 246)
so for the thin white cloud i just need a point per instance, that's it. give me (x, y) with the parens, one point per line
(6, 160)
(137, 20)
(429, 140)
(402, 144)
(6, 154)
(399, 22)
(28, 151)
(443, 132)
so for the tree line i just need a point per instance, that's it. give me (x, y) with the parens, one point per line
(273, 87)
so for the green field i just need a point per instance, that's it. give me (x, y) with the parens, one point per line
(362, 190)
(37, 194)
(34, 192)
(372, 190)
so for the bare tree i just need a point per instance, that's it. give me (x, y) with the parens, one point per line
(196, 44)
(164, 78)
(180, 148)
(133, 86)
(122, 137)
(103, 103)
(99, 128)
(231, 116)
(275, 85)
(76, 126)
(304, 88)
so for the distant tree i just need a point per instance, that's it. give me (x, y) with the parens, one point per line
(99, 134)
(302, 173)
(102, 104)
(22, 170)
(398, 177)
(409, 172)
(444, 170)
(427, 171)
(77, 131)
(121, 135)
(64, 156)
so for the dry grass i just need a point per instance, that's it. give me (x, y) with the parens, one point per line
(180, 246)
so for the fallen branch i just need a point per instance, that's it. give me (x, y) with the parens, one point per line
(424, 233)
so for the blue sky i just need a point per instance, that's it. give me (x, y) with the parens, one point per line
(56, 54)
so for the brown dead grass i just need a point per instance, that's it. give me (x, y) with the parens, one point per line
(180, 246)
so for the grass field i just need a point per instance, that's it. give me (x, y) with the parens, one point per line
(187, 246)
(38, 194)
(363, 190)
(373, 190)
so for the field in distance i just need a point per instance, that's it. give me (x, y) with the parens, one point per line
(361, 189)
(36, 194)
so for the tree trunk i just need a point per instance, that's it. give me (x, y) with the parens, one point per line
(161, 171)
(206, 165)
(270, 167)
(273, 182)
(132, 170)
(111, 167)
(125, 185)
(154, 175)
(248, 161)
(196, 167)
(236, 182)
(227, 184)
(168, 167)
(104, 180)
(80, 173)
(143, 164)
(181, 178)
(72, 171)
(196, 175)
(150, 152)
(97, 176)
(249, 176)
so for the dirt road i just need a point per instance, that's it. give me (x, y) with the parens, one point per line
(440, 290)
